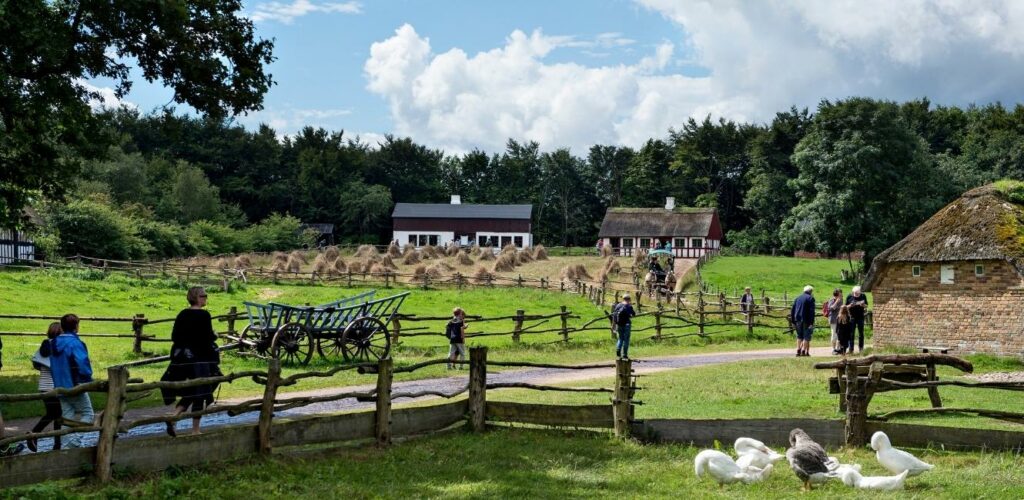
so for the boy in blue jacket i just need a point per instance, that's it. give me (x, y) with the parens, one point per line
(70, 366)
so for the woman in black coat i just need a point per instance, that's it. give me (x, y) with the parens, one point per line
(193, 355)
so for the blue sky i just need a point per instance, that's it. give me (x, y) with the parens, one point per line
(463, 74)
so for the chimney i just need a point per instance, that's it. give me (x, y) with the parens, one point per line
(456, 199)
(670, 203)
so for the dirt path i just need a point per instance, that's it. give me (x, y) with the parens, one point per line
(444, 384)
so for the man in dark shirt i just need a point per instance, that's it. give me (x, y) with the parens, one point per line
(624, 323)
(858, 303)
(803, 314)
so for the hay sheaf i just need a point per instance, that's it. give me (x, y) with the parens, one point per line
(411, 258)
(482, 275)
(222, 263)
(340, 266)
(452, 250)
(506, 262)
(439, 269)
(486, 253)
(293, 265)
(510, 248)
(379, 270)
(430, 252)
(299, 256)
(640, 259)
(612, 265)
(524, 257)
(568, 273)
(408, 249)
(394, 251)
(279, 267)
(322, 264)
(280, 257)
(365, 251)
(331, 253)
(463, 259)
(574, 272)
(419, 271)
(243, 262)
(606, 251)
(540, 253)
(387, 263)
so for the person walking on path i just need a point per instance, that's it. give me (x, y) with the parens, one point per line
(455, 330)
(858, 303)
(622, 314)
(193, 355)
(832, 310)
(803, 313)
(70, 366)
(747, 302)
(844, 330)
(41, 362)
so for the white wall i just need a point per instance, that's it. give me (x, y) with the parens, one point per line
(443, 237)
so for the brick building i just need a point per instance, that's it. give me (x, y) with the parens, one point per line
(956, 281)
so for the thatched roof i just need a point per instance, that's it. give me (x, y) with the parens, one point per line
(983, 224)
(681, 221)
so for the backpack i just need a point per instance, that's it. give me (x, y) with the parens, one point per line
(824, 309)
(453, 331)
(617, 317)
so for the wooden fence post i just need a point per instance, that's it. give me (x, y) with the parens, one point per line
(639, 295)
(477, 388)
(458, 280)
(383, 428)
(396, 329)
(700, 312)
(519, 281)
(657, 322)
(565, 324)
(622, 405)
(137, 323)
(117, 380)
(855, 415)
(267, 408)
(933, 392)
(750, 320)
(678, 298)
(232, 314)
(517, 329)
(349, 273)
(721, 304)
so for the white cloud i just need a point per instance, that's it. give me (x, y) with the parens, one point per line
(104, 97)
(288, 121)
(759, 58)
(287, 12)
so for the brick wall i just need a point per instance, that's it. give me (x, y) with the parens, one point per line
(974, 314)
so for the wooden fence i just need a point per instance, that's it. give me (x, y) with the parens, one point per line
(272, 430)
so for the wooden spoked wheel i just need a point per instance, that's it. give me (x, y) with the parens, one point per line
(330, 346)
(365, 339)
(293, 344)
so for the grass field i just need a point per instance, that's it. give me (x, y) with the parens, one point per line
(93, 294)
(776, 275)
(525, 463)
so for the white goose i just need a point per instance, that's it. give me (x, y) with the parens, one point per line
(753, 453)
(853, 478)
(896, 460)
(723, 468)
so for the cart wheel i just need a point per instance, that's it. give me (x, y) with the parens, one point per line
(293, 344)
(365, 339)
(330, 346)
(246, 343)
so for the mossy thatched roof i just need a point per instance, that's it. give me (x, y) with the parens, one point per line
(986, 223)
(681, 221)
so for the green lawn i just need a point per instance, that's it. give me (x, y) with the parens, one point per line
(526, 463)
(93, 294)
(776, 275)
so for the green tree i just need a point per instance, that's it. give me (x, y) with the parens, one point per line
(202, 49)
(366, 211)
(191, 197)
(865, 180)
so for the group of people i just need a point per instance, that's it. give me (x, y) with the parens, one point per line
(845, 320)
(63, 363)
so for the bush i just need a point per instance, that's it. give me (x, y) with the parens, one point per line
(219, 238)
(167, 240)
(277, 232)
(94, 228)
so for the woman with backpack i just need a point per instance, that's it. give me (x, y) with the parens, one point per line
(455, 330)
(831, 311)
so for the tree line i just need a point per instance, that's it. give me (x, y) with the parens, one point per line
(856, 174)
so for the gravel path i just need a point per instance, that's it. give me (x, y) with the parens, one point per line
(444, 384)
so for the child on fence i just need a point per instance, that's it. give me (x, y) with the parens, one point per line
(69, 365)
(41, 362)
(622, 317)
(455, 330)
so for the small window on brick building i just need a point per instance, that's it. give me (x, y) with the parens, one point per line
(915, 271)
(946, 275)
(979, 270)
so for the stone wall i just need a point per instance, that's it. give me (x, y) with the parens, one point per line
(974, 314)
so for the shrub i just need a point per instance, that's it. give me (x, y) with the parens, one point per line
(94, 228)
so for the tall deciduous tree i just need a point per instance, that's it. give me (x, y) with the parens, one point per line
(202, 49)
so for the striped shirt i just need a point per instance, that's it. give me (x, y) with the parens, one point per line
(45, 379)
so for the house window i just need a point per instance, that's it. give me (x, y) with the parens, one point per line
(518, 241)
(979, 270)
(645, 242)
(915, 271)
(627, 242)
(432, 240)
(422, 240)
(696, 242)
(412, 239)
(946, 275)
(505, 240)
(679, 243)
(481, 240)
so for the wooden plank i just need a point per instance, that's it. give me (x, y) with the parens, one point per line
(478, 388)
(419, 420)
(38, 467)
(957, 438)
(383, 402)
(323, 428)
(555, 415)
(117, 379)
(157, 453)
(706, 432)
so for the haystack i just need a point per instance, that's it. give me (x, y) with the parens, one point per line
(367, 265)
(463, 259)
(365, 251)
(419, 271)
(279, 267)
(481, 275)
(506, 262)
(294, 265)
(524, 257)
(438, 269)
(408, 249)
(394, 251)
(222, 263)
(411, 258)
(299, 256)
(331, 253)
(612, 265)
(581, 272)
(340, 266)
(568, 273)
(387, 263)
(323, 265)
(475, 249)
(606, 250)
(280, 257)
(486, 253)
(243, 262)
(430, 252)
(640, 260)
(379, 270)
(510, 248)
(452, 250)
(540, 253)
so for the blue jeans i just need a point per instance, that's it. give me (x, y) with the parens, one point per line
(622, 345)
(76, 408)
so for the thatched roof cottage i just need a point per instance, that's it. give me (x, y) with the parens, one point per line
(691, 232)
(956, 281)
